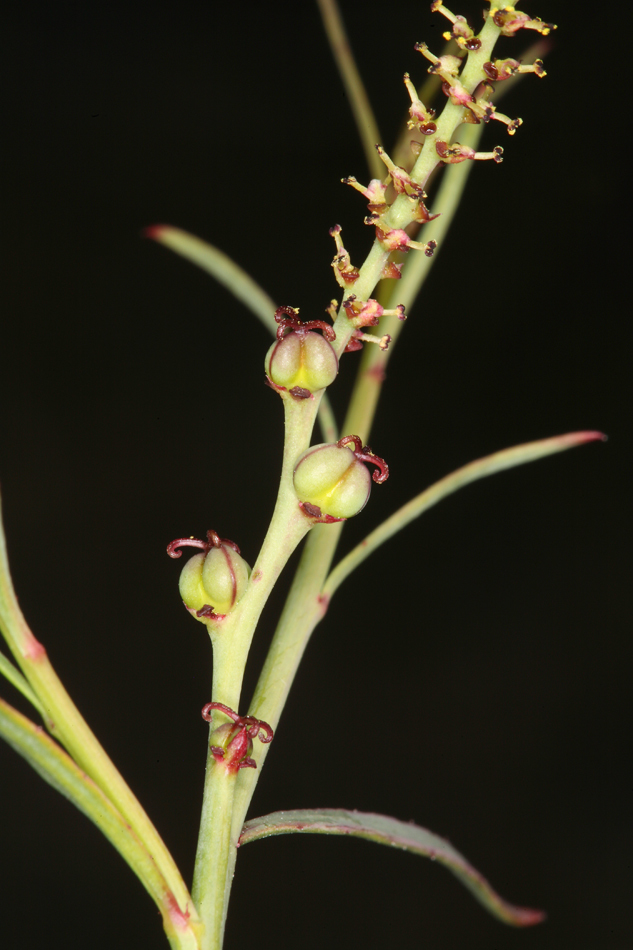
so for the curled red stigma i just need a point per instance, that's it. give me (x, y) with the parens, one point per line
(235, 753)
(174, 546)
(213, 541)
(364, 454)
(288, 321)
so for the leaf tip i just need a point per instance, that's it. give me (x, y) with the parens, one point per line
(155, 231)
(580, 438)
(527, 916)
(593, 436)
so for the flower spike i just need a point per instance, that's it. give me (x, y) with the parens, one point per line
(479, 108)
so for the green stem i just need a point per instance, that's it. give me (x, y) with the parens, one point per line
(288, 526)
(303, 610)
(231, 643)
(213, 858)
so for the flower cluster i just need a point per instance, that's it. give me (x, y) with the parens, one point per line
(331, 481)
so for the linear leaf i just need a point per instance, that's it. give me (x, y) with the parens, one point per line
(20, 682)
(497, 462)
(57, 768)
(220, 266)
(66, 723)
(366, 124)
(396, 834)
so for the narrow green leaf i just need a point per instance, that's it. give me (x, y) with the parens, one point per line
(220, 266)
(366, 124)
(497, 462)
(20, 682)
(396, 834)
(57, 768)
(66, 723)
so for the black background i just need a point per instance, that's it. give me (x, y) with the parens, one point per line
(474, 676)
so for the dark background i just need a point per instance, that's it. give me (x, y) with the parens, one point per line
(478, 668)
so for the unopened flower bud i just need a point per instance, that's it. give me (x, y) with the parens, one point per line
(212, 582)
(334, 479)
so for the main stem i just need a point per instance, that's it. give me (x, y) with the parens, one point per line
(231, 642)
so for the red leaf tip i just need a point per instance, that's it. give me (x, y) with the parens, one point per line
(570, 439)
(590, 436)
(527, 916)
(154, 231)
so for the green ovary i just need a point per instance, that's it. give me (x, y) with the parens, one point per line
(332, 478)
